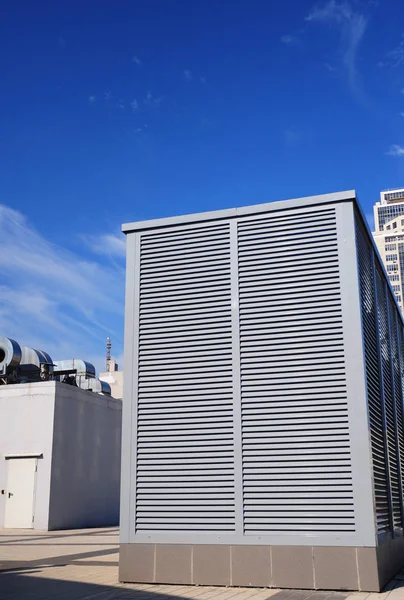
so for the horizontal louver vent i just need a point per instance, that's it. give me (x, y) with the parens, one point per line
(398, 386)
(185, 470)
(373, 379)
(388, 395)
(295, 436)
(397, 410)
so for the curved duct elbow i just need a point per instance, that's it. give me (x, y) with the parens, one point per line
(74, 365)
(35, 364)
(81, 374)
(94, 385)
(10, 355)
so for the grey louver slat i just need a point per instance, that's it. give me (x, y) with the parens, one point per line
(295, 435)
(390, 435)
(373, 379)
(398, 405)
(185, 444)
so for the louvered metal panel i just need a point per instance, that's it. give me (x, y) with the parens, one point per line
(388, 397)
(185, 438)
(297, 473)
(373, 379)
(265, 349)
(398, 404)
(399, 382)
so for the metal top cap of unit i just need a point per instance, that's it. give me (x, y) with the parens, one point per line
(243, 211)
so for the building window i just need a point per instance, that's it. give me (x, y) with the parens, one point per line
(388, 213)
(395, 225)
(394, 195)
(391, 247)
(394, 239)
(394, 277)
(388, 227)
(396, 288)
(391, 257)
(392, 268)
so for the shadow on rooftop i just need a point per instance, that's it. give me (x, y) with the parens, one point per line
(23, 584)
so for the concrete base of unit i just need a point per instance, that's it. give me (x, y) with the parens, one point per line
(302, 567)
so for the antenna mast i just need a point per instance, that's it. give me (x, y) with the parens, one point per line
(108, 356)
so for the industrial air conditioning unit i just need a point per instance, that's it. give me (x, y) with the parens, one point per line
(263, 414)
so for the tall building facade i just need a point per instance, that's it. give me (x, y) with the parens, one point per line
(389, 237)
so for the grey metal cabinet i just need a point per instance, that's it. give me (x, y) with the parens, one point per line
(263, 397)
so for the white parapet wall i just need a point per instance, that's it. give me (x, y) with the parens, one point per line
(64, 444)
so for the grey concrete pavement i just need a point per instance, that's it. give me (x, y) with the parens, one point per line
(83, 565)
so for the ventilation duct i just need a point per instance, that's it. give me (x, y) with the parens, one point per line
(26, 365)
(10, 355)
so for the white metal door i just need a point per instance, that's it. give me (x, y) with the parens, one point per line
(20, 493)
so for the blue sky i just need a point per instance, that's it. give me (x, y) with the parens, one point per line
(114, 111)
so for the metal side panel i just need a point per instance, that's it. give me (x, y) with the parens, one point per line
(129, 398)
(185, 424)
(244, 405)
(387, 397)
(354, 340)
(399, 377)
(397, 408)
(374, 380)
(303, 476)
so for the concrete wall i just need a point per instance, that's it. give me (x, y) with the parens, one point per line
(86, 459)
(115, 380)
(26, 424)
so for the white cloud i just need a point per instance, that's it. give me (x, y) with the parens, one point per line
(395, 57)
(151, 100)
(189, 76)
(395, 150)
(55, 299)
(351, 25)
(293, 137)
(107, 244)
(91, 99)
(120, 104)
(330, 68)
(290, 40)
(134, 104)
(136, 60)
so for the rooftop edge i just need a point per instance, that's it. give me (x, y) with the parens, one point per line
(242, 211)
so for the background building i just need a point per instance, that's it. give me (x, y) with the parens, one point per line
(59, 456)
(389, 237)
(112, 375)
(60, 440)
(263, 438)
